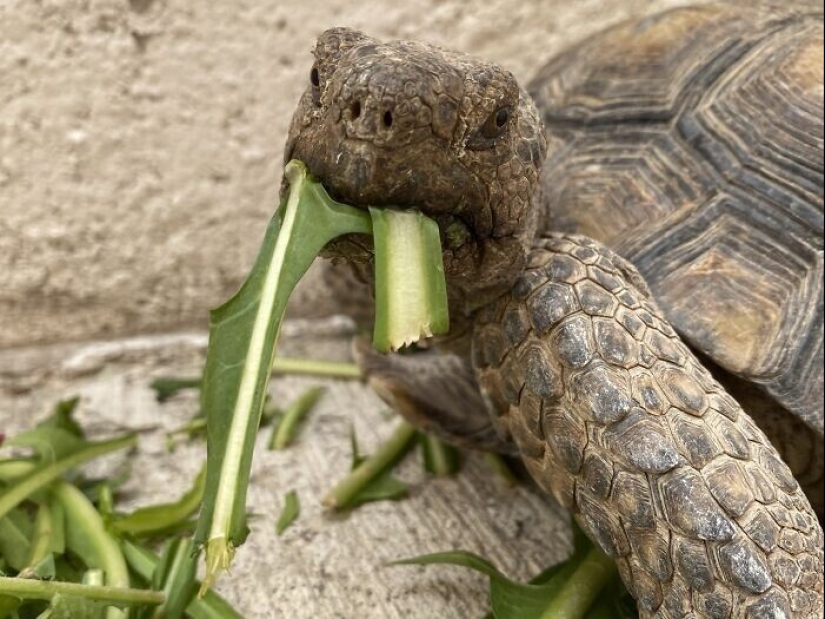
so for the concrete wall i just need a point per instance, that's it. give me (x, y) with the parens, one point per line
(140, 141)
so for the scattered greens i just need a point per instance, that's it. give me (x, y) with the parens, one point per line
(63, 548)
(47, 472)
(586, 586)
(159, 519)
(167, 387)
(289, 513)
(369, 479)
(284, 432)
(440, 459)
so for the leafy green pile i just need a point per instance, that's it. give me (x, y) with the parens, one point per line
(66, 553)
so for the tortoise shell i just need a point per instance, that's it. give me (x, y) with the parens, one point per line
(692, 143)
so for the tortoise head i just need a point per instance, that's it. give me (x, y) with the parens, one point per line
(409, 125)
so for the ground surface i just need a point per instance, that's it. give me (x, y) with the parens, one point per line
(325, 566)
(140, 140)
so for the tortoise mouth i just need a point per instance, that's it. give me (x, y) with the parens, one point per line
(461, 247)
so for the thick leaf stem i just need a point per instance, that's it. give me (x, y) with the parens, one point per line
(442, 459)
(284, 432)
(581, 590)
(312, 367)
(395, 447)
(29, 589)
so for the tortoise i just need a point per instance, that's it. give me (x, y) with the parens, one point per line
(633, 253)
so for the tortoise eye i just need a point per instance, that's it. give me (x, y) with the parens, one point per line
(494, 126)
(492, 129)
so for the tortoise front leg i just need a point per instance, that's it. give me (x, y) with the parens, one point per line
(435, 392)
(615, 417)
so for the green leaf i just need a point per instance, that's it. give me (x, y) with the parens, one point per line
(289, 513)
(410, 289)
(440, 459)
(44, 474)
(371, 479)
(242, 340)
(158, 519)
(15, 535)
(48, 443)
(509, 599)
(285, 431)
(143, 563)
(167, 387)
(45, 569)
(63, 418)
(565, 591)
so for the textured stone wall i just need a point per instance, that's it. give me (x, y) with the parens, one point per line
(140, 141)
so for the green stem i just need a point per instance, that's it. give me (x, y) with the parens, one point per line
(442, 458)
(144, 562)
(583, 587)
(46, 589)
(40, 477)
(283, 434)
(311, 367)
(395, 447)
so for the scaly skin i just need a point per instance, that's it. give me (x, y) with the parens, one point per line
(615, 417)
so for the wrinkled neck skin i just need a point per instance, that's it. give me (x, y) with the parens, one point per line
(409, 125)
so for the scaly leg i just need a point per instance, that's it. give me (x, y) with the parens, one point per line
(435, 392)
(616, 418)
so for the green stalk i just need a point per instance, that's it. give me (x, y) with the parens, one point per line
(28, 589)
(168, 386)
(395, 447)
(410, 290)
(441, 459)
(87, 537)
(284, 432)
(144, 562)
(312, 367)
(42, 476)
(581, 590)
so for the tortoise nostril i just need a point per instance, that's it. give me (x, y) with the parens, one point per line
(355, 110)
(388, 119)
